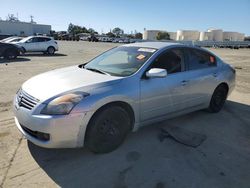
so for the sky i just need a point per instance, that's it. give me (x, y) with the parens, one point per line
(131, 15)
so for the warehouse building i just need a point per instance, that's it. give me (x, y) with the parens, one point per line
(23, 28)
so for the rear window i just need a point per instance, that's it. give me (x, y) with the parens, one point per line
(199, 59)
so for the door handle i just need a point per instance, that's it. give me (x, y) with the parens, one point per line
(215, 74)
(184, 82)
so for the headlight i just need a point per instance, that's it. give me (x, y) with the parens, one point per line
(64, 104)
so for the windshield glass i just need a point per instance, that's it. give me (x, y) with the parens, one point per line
(25, 39)
(121, 61)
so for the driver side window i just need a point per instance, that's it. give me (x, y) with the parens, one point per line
(171, 60)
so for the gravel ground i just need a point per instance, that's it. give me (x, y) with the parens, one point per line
(142, 161)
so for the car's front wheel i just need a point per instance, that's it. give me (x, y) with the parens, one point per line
(10, 54)
(218, 99)
(51, 50)
(107, 129)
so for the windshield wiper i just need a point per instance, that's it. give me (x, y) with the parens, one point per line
(97, 70)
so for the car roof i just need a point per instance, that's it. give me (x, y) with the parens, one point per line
(155, 45)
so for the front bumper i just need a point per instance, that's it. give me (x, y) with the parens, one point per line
(59, 131)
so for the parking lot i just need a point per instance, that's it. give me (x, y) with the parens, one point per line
(142, 161)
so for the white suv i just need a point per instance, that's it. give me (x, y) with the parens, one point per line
(38, 44)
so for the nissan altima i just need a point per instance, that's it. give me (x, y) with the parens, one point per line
(97, 104)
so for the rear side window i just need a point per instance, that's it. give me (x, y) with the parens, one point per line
(43, 39)
(171, 60)
(199, 59)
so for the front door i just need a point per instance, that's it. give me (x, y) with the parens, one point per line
(31, 45)
(161, 96)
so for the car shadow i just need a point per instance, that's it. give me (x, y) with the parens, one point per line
(144, 161)
(18, 59)
(37, 54)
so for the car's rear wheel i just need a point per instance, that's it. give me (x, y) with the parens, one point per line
(218, 99)
(10, 54)
(107, 129)
(51, 50)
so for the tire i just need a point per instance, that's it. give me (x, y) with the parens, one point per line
(218, 99)
(23, 51)
(51, 50)
(107, 129)
(10, 54)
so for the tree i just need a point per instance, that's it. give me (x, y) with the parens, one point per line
(91, 30)
(138, 35)
(117, 31)
(110, 34)
(163, 36)
(75, 29)
(70, 27)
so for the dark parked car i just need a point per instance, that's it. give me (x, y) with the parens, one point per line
(9, 51)
(93, 38)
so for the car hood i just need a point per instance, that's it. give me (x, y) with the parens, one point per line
(52, 83)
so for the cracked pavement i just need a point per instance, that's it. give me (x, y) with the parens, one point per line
(142, 161)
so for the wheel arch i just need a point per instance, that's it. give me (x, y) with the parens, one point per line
(51, 47)
(224, 84)
(126, 106)
(23, 49)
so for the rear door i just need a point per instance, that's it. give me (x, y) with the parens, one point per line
(43, 43)
(200, 77)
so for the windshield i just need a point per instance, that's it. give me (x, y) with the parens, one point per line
(121, 61)
(25, 39)
(6, 39)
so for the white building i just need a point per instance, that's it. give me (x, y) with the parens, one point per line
(23, 28)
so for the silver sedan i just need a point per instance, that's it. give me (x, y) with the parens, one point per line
(97, 104)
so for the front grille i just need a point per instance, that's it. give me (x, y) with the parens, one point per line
(36, 134)
(25, 100)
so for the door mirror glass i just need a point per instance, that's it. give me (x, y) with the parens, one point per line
(156, 73)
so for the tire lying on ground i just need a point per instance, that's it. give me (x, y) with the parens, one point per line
(107, 129)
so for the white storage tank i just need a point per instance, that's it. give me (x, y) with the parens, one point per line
(217, 34)
(179, 35)
(188, 35)
(150, 34)
(202, 36)
(241, 36)
(230, 36)
(172, 35)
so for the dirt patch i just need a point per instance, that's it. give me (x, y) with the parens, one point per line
(4, 134)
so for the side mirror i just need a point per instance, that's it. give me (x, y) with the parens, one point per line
(156, 73)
